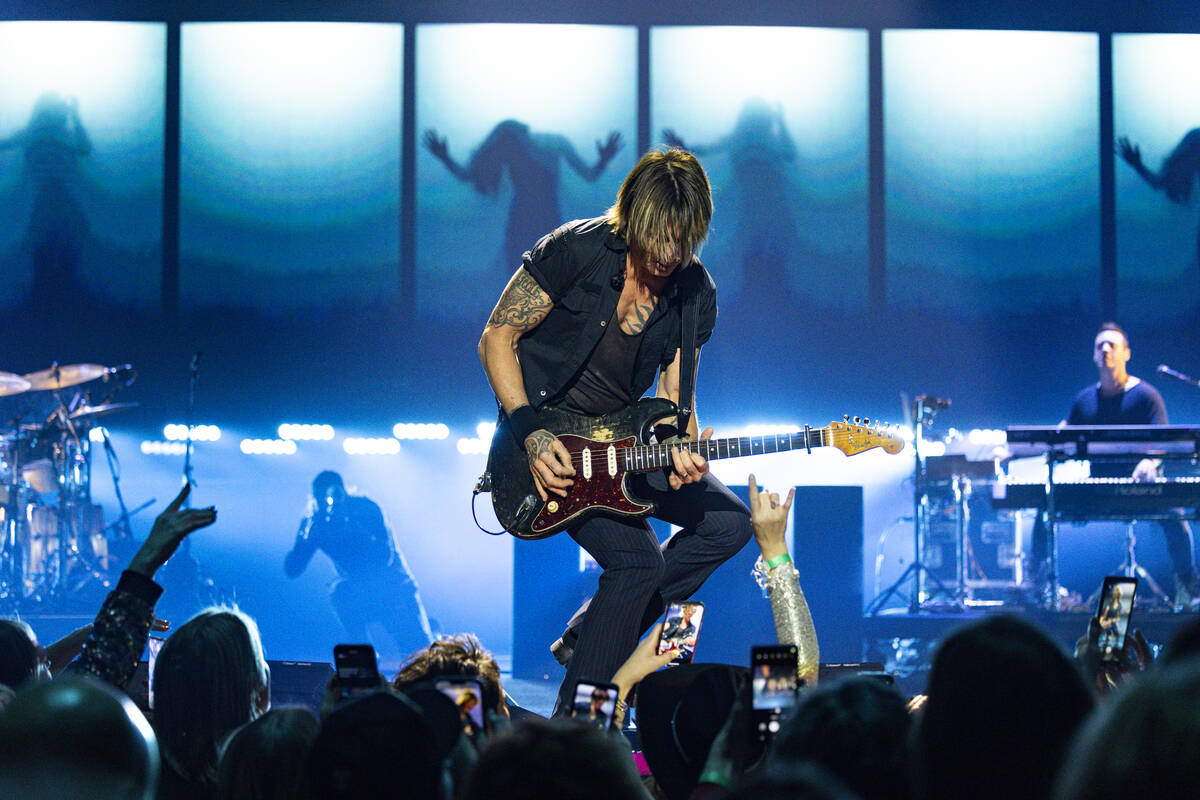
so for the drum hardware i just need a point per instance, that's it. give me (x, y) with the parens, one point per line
(54, 541)
(924, 408)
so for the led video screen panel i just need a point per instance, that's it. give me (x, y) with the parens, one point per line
(81, 163)
(778, 117)
(992, 171)
(1156, 111)
(521, 128)
(290, 165)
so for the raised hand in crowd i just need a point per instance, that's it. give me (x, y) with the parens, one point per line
(170, 529)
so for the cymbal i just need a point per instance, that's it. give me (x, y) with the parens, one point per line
(105, 408)
(60, 377)
(13, 384)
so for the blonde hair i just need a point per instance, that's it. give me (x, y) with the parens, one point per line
(664, 203)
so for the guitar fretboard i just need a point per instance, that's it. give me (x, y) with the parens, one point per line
(647, 457)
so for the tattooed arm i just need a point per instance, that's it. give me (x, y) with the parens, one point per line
(521, 308)
(688, 467)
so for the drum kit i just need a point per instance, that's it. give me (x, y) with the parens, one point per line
(54, 540)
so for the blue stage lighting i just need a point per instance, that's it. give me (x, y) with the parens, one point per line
(305, 432)
(268, 447)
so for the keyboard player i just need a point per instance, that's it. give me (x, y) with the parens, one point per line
(1123, 399)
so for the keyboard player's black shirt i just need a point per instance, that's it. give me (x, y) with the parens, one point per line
(1140, 404)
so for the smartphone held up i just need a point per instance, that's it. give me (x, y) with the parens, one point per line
(681, 630)
(357, 670)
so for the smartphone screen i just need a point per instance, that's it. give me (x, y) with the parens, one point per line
(681, 628)
(467, 696)
(357, 671)
(594, 703)
(1112, 615)
(774, 683)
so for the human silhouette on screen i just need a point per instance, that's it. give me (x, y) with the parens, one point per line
(533, 160)
(53, 142)
(1176, 177)
(760, 151)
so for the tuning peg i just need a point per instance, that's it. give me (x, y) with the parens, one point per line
(866, 420)
(845, 417)
(856, 419)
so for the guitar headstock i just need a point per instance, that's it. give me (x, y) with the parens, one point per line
(858, 435)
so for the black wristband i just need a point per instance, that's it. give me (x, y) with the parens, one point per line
(523, 421)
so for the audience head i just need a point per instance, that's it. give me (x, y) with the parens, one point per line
(268, 758)
(209, 678)
(462, 654)
(680, 711)
(371, 746)
(21, 659)
(1184, 645)
(855, 728)
(1145, 742)
(76, 738)
(553, 759)
(807, 781)
(1003, 699)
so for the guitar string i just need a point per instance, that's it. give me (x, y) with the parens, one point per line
(655, 451)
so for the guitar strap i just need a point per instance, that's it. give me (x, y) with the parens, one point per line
(687, 359)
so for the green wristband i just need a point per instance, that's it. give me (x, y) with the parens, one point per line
(714, 776)
(779, 560)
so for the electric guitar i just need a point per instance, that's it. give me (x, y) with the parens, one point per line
(605, 449)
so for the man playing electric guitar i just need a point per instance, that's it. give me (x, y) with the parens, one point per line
(593, 315)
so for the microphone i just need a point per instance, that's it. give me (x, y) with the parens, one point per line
(195, 363)
(1163, 369)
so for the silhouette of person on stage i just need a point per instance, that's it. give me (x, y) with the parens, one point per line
(1176, 177)
(761, 153)
(532, 160)
(374, 584)
(54, 140)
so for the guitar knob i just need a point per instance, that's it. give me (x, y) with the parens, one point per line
(552, 506)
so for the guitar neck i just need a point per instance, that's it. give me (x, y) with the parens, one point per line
(649, 457)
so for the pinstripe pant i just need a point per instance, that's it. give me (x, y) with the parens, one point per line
(640, 576)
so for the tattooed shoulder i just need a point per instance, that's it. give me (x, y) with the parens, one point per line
(523, 305)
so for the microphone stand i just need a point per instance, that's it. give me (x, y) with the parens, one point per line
(193, 381)
(924, 407)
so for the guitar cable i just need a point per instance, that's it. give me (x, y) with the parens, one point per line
(484, 484)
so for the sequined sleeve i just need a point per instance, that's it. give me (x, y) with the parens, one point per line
(793, 622)
(114, 647)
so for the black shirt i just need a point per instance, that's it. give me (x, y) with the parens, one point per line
(603, 385)
(1140, 404)
(580, 266)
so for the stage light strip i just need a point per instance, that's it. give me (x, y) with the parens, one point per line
(305, 432)
(484, 432)
(365, 446)
(200, 433)
(420, 430)
(268, 447)
(155, 448)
